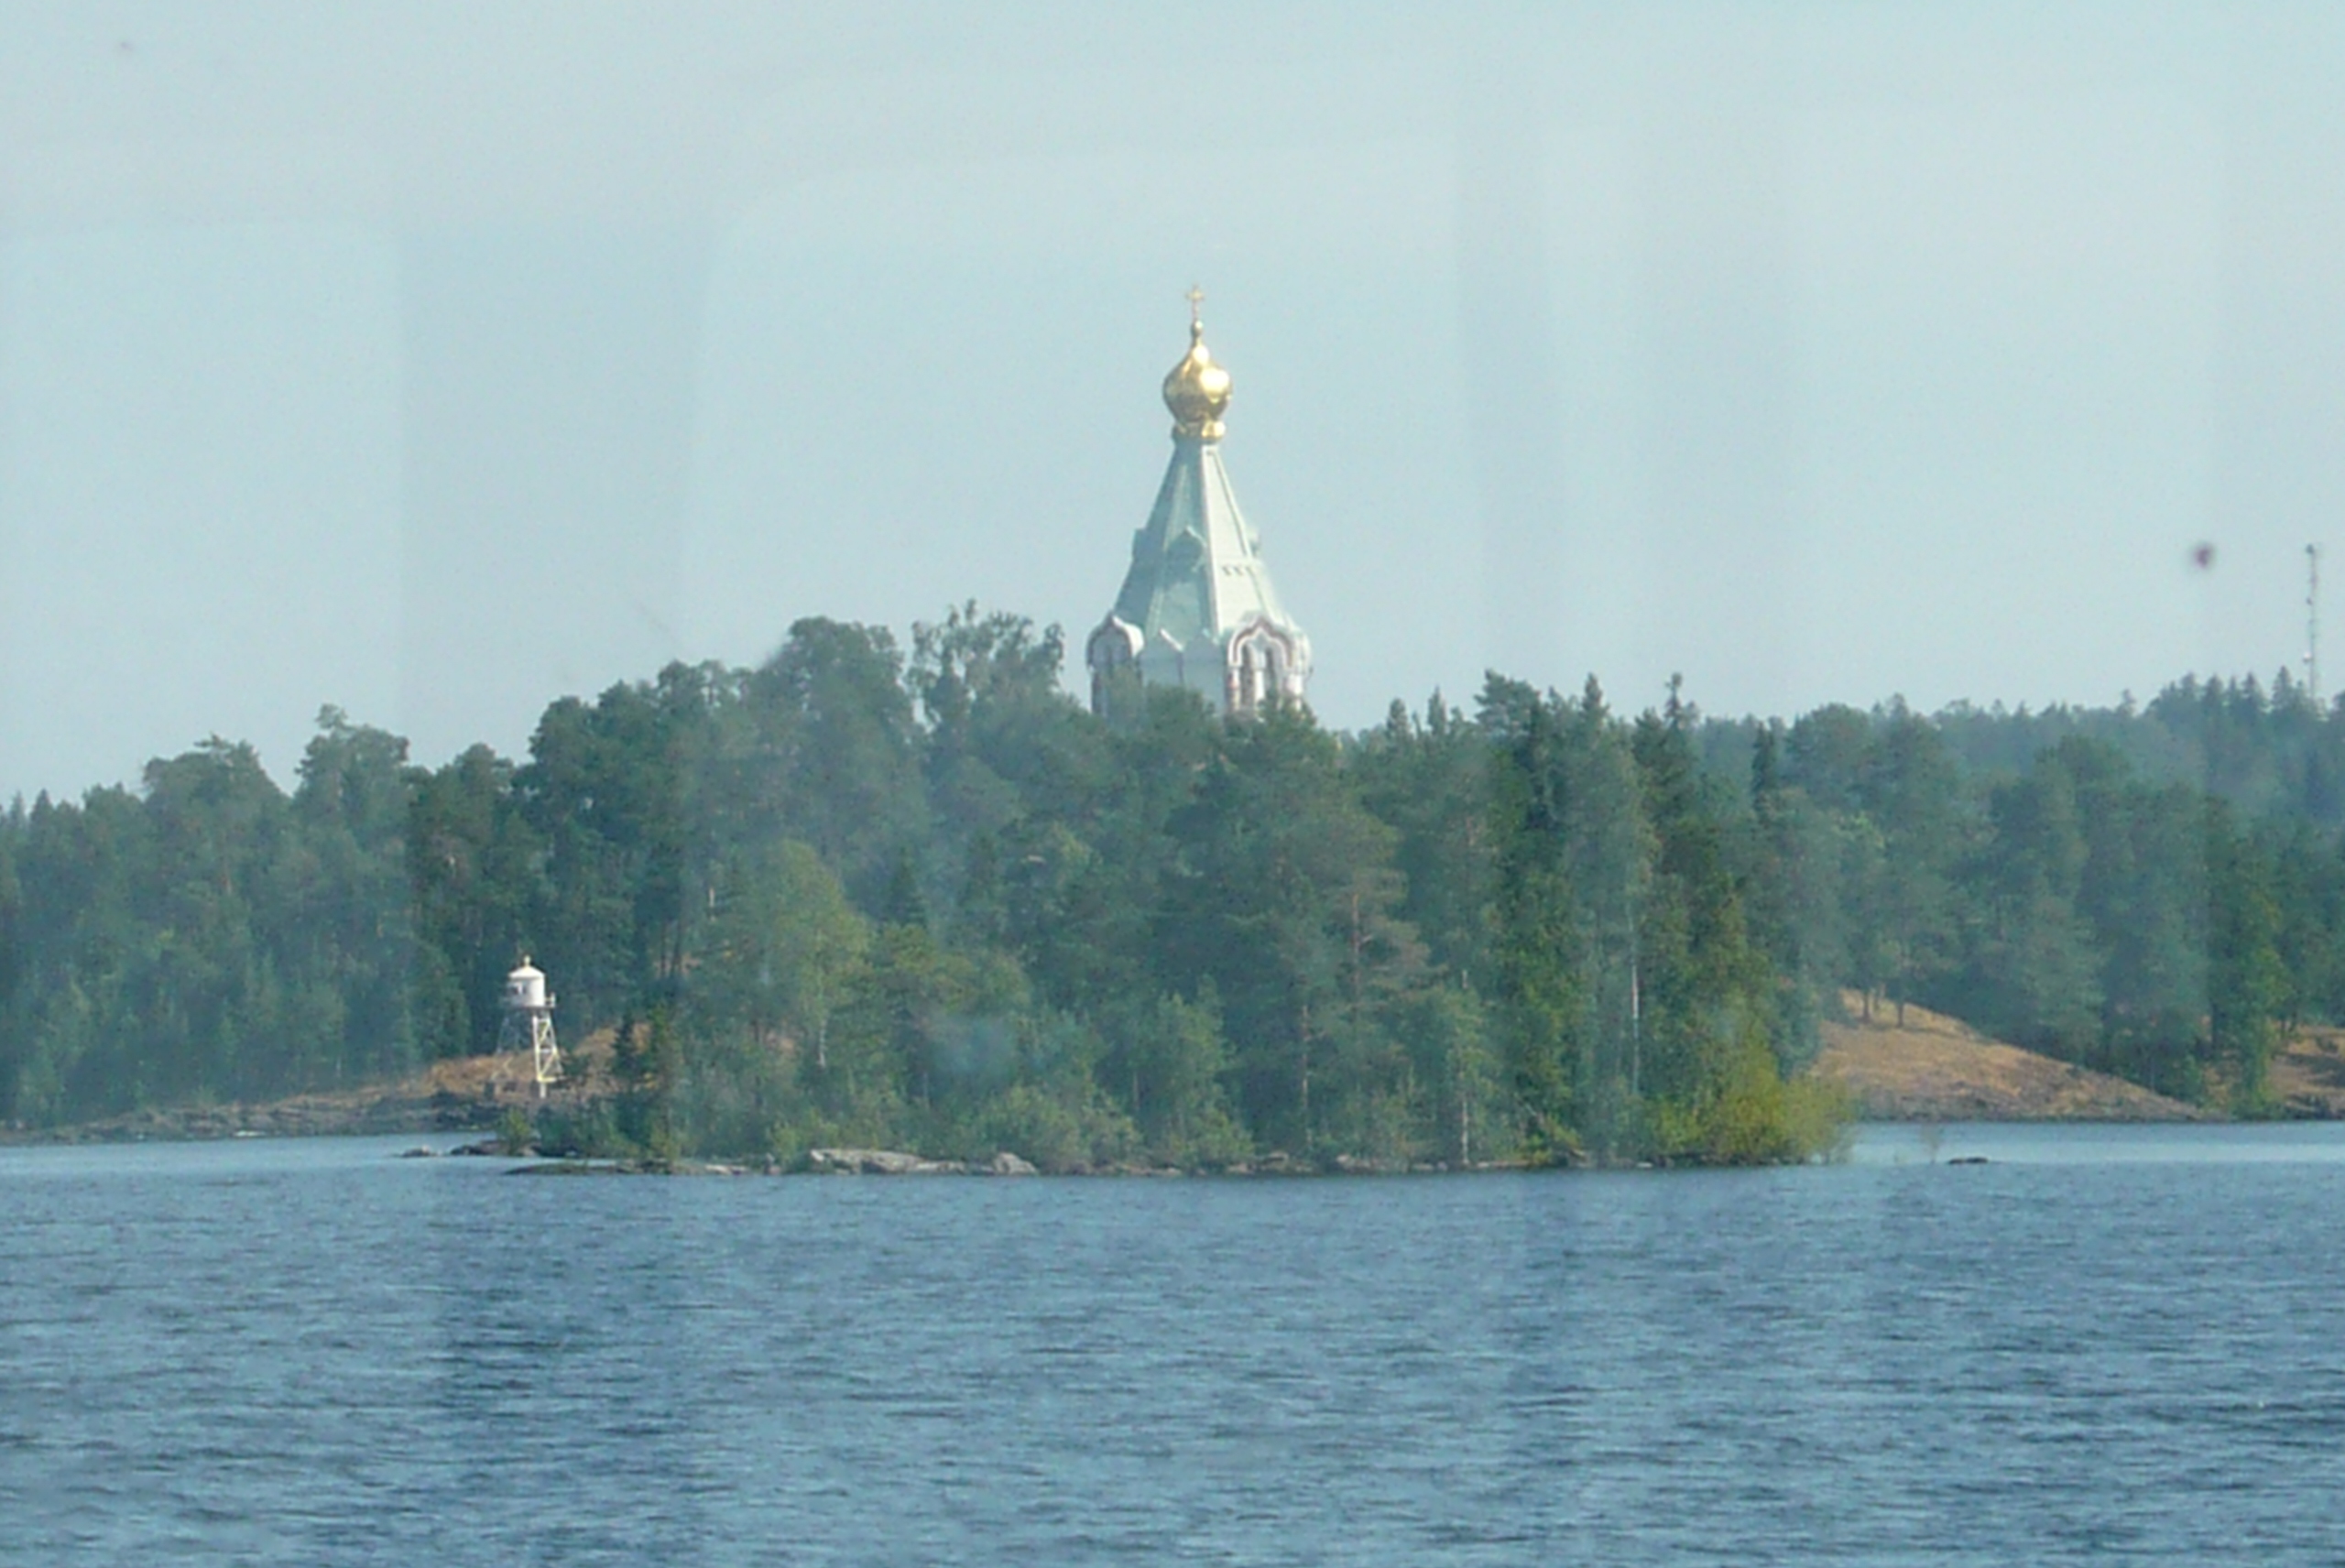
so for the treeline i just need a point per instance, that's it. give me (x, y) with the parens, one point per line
(2156, 892)
(921, 899)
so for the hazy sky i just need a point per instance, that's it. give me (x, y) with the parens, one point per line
(438, 360)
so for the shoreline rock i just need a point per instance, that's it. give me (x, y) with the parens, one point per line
(896, 1162)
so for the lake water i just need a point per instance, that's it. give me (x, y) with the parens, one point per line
(2108, 1342)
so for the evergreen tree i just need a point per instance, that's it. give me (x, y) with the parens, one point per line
(2246, 982)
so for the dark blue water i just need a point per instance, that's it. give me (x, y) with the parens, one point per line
(2108, 1344)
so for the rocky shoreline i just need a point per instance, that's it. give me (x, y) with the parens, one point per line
(899, 1162)
(304, 1116)
(818, 1163)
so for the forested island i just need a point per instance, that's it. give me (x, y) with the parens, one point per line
(921, 899)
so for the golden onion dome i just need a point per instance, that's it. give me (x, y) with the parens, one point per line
(1196, 390)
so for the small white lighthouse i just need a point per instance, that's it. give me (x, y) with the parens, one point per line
(528, 1016)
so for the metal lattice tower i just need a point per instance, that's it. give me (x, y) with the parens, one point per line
(2312, 622)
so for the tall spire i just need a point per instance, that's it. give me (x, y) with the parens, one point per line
(1197, 608)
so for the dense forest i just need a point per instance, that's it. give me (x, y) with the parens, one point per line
(923, 898)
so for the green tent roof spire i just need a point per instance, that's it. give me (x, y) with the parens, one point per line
(1197, 607)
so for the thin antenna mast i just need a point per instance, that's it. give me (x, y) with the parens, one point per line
(2312, 622)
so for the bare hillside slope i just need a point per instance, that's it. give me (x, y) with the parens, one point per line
(1933, 1068)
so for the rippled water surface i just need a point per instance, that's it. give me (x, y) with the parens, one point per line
(2106, 1342)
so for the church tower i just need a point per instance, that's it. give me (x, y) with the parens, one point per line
(1197, 608)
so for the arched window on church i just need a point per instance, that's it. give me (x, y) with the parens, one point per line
(1111, 655)
(1261, 662)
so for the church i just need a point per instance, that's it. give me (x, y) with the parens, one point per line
(1197, 608)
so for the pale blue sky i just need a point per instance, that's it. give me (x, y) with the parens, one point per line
(438, 360)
